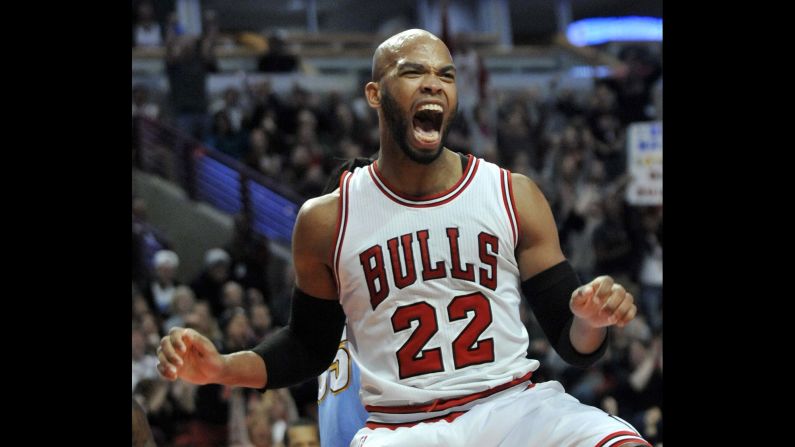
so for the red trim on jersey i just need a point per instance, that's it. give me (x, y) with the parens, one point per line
(423, 198)
(449, 418)
(624, 441)
(444, 404)
(513, 203)
(345, 180)
(503, 175)
(425, 201)
(606, 439)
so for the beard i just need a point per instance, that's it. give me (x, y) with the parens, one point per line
(398, 128)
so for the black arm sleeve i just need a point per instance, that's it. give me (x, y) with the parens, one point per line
(307, 345)
(549, 293)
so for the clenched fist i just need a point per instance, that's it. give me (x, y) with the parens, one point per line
(186, 354)
(603, 303)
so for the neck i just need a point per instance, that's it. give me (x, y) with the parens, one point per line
(414, 179)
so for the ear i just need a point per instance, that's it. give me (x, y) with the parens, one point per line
(372, 91)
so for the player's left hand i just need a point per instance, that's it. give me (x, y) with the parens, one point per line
(603, 303)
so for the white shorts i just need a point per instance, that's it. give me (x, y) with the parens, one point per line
(541, 416)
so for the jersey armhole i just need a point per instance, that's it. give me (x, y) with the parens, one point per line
(342, 223)
(506, 186)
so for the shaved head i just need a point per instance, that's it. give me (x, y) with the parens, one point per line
(413, 88)
(390, 50)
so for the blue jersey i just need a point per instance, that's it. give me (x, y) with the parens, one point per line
(340, 411)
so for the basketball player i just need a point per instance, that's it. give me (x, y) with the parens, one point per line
(340, 411)
(425, 253)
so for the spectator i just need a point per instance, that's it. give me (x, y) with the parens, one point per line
(182, 304)
(302, 433)
(188, 61)
(143, 362)
(142, 104)
(160, 292)
(147, 32)
(224, 138)
(148, 238)
(278, 59)
(209, 284)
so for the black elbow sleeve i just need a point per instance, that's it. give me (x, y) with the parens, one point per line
(548, 294)
(307, 345)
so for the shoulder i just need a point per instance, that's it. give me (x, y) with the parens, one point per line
(320, 209)
(535, 219)
(316, 225)
(526, 191)
(539, 244)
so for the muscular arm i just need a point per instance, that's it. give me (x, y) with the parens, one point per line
(539, 250)
(313, 243)
(314, 238)
(306, 347)
(297, 351)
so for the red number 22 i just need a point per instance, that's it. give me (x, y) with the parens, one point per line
(467, 349)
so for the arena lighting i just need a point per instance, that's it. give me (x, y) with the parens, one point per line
(614, 29)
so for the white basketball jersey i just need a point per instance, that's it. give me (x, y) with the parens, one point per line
(430, 287)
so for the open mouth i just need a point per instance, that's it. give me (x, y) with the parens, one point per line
(427, 124)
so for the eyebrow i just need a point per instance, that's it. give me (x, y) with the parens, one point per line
(420, 67)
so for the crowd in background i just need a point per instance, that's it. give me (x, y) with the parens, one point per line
(571, 143)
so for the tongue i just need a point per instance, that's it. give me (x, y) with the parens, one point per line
(425, 132)
(426, 136)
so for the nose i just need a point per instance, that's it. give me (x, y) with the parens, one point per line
(431, 84)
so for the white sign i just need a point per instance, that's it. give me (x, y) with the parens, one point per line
(645, 163)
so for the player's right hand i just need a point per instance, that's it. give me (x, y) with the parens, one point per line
(186, 354)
